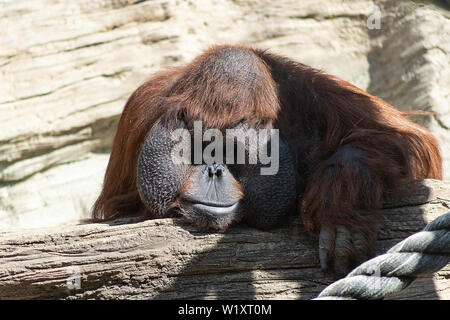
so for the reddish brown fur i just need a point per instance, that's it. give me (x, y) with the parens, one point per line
(396, 150)
(163, 97)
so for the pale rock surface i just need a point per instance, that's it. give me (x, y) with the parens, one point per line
(66, 71)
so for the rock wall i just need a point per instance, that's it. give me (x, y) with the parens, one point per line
(66, 71)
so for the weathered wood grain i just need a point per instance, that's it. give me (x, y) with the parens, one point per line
(168, 259)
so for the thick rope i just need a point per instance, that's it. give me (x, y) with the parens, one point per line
(423, 252)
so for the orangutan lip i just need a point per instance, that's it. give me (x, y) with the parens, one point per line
(210, 204)
(215, 209)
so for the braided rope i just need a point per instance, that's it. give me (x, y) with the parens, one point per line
(423, 252)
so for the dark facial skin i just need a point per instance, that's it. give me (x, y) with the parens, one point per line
(158, 178)
(214, 196)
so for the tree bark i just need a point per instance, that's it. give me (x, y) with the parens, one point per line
(169, 259)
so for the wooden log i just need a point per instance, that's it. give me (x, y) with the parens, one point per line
(169, 259)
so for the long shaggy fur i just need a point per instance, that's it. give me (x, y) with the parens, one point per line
(317, 115)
